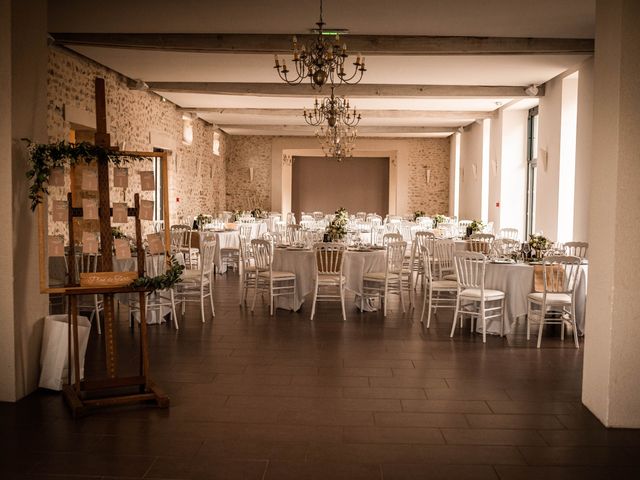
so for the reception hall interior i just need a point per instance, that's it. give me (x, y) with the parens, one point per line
(316, 239)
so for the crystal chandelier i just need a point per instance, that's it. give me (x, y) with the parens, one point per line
(337, 141)
(332, 111)
(321, 61)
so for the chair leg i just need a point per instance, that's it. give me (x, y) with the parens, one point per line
(173, 309)
(271, 297)
(542, 315)
(502, 319)
(344, 315)
(315, 299)
(484, 323)
(424, 306)
(401, 295)
(455, 317)
(97, 312)
(213, 310)
(255, 294)
(430, 307)
(202, 302)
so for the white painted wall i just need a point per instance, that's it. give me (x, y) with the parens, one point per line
(548, 159)
(567, 171)
(454, 175)
(471, 149)
(24, 64)
(610, 388)
(494, 169)
(583, 152)
(513, 170)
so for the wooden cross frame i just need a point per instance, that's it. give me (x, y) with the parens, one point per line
(81, 396)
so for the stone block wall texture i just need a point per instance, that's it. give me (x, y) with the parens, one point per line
(196, 176)
(244, 152)
(429, 154)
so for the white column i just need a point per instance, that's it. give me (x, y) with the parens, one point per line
(611, 389)
(23, 113)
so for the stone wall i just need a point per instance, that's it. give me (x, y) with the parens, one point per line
(137, 120)
(429, 154)
(246, 152)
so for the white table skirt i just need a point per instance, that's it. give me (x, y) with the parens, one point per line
(516, 281)
(302, 264)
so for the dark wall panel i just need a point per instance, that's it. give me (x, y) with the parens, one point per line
(357, 184)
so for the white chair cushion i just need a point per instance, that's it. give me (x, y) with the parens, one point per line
(552, 298)
(451, 276)
(444, 285)
(377, 276)
(477, 293)
(278, 275)
(191, 275)
(330, 279)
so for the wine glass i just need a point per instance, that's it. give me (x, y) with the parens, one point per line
(526, 249)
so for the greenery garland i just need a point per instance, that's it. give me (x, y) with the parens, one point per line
(163, 281)
(44, 158)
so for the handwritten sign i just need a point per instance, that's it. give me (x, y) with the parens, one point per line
(122, 248)
(56, 179)
(60, 212)
(89, 179)
(120, 213)
(120, 177)
(146, 210)
(89, 209)
(89, 242)
(155, 243)
(56, 246)
(147, 182)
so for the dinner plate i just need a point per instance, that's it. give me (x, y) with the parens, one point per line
(505, 261)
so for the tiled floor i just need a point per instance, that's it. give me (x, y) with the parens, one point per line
(282, 398)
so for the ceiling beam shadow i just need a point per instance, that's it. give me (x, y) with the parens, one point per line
(352, 91)
(366, 44)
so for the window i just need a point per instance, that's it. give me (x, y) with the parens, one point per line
(187, 129)
(532, 164)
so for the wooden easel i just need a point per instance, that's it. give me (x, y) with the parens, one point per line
(81, 396)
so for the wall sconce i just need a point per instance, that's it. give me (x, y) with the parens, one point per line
(462, 174)
(544, 157)
(427, 175)
(495, 167)
(287, 160)
(251, 174)
(474, 168)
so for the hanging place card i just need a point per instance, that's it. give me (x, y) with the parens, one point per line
(89, 242)
(89, 179)
(89, 209)
(155, 243)
(146, 210)
(147, 181)
(56, 246)
(120, 213)
(122, 248)
(56, 178)
(60, 212)
(120, 177)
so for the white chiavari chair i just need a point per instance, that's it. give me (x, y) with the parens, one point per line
(330, 283)
(275, 283)
(381, 284)
(440, 293)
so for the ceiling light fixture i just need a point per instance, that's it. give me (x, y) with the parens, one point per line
(337, 122)
(321, 61)
(332, 110)
(338, 141)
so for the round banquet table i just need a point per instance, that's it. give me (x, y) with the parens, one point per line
(302, 264)
(516, 280)
(227, 239)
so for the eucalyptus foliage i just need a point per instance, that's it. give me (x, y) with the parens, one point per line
(162, 281)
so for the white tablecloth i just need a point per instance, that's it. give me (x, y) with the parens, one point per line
(229, 239)
(302, 264)
(516, 281)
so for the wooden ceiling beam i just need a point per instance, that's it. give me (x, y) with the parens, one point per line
(366, 44)
(291, 112)
(362, 130)
(351, 91)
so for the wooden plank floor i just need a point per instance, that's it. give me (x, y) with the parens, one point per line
(259, 397)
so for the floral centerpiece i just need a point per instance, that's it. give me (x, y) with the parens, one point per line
(417, 214)
(437, 219)
(476, 226)
(337, 229)
(257, 213)
(539, 244)
(202, 220)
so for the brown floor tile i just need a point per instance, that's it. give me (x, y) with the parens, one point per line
(445, 406)
(567, 473)
(541, 422)
(398, 435)
(384, 392)
(438, 472)
(406, 419)
(465, 436)
(322, 471)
